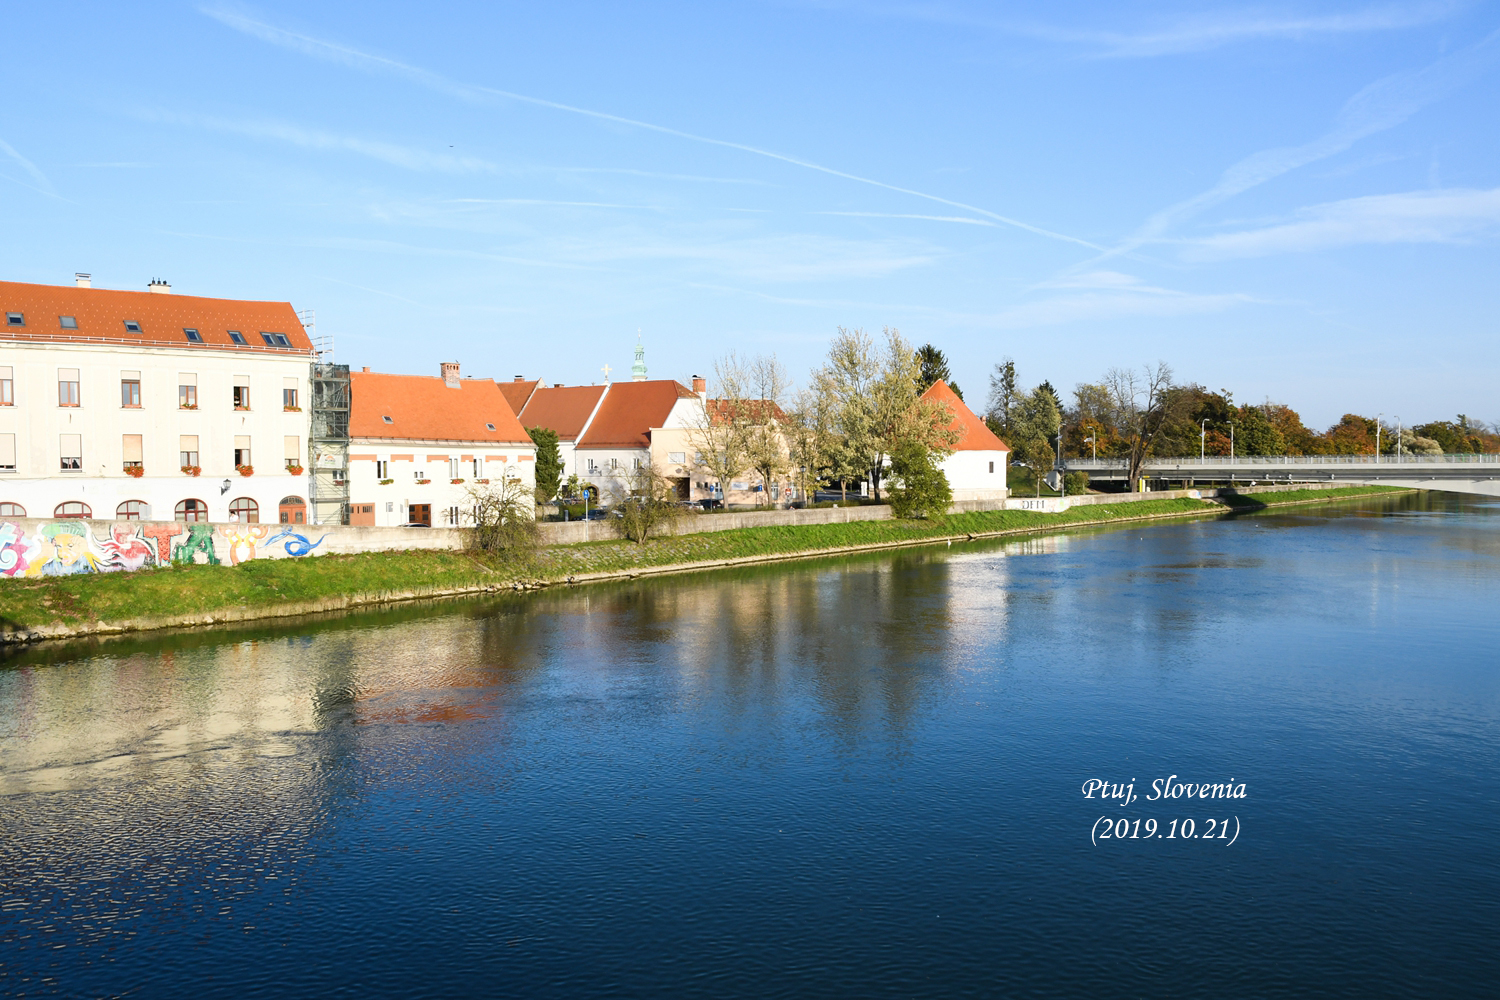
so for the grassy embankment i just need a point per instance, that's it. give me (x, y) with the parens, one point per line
(187, 591)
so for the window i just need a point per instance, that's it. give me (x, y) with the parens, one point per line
(192, 335)
(614, 463)
(12, 510)
(453, 468)
(8, 454)
(71, 448)
(677, 457)
(192, 510)
(67, 387)
(388, 420)
(245, 510)
(187, 391)
(592, 467)
(73, 508)
(418, 474)
(289, 394)
(291, 451)
(489, 427)
(451, 516)
(242, 392)
(67, 322)
(638, 463)
(131, 449)
(7, 387)
(237, 337)
(131, 326)
(187, 451)
(130, 389)
(275, 339)
(15, 319)
(478, 467)
(133, 510)
(382, 470)
(992, 466)
(241, 450)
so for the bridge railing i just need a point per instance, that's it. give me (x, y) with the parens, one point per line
(1251, 461)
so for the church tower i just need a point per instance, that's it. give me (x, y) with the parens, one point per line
(638, 370)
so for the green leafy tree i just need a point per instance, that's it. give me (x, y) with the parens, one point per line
(549, 463)
(1003, 393)
(920, 486)
(1034, 420)
(933, 365)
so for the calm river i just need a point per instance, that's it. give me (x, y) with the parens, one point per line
(859, 777)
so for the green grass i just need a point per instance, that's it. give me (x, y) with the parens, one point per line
(267, 583)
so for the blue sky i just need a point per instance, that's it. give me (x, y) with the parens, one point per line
(1294, 201)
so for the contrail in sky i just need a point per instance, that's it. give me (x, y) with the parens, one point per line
(362, 60)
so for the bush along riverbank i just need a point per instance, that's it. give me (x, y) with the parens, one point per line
(95, 604)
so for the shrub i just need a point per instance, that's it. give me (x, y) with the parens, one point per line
(504, 520)
(1076, 483)
(644, 505)
(921, 488)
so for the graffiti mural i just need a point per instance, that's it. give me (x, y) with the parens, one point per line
(64, 548)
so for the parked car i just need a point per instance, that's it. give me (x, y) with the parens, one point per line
(415, 524)
(711, 503)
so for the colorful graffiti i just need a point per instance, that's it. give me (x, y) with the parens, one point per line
(63, 548)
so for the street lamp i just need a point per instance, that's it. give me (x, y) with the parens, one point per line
(1231, 442)
(1095, 444)
(1398, 437)
(1202, 439)
(1377, 436)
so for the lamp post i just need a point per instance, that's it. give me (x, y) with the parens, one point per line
(1398, 437)
(1377, 436)
(1095, 444)
(1202, 439)
(1231, 442)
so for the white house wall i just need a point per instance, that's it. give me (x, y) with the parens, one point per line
(977, 475)
(410, 461)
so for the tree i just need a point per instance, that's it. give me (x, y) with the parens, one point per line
(549, 464)
(504, 519)
(1352, 435)
(902, 418)
(1003, 391)
(765, 440)
(921, 487)
(720, 432)
(1034, 419)
(644, 505)
(810, 436)
(933, 365)
(1143, 403)
(848, 378)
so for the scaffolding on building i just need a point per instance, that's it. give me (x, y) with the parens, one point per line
(328, 446)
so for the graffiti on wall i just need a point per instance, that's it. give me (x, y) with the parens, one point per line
(63, 548)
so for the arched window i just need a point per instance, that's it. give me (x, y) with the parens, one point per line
(72, 508)
(12, 510)
(245, 510)
(293, 510)
(192, 510)
(132, 510)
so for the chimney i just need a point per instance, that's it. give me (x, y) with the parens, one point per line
(449, 371)
(365, 369)
(700, 385)
(557, 385)
(520, 378)
(159, 286)
(83, 280)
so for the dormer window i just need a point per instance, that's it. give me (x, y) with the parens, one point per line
(67, 322)
(275, 339)
(192, 335)
(131, 326)
(489, 427)
(237, 337)
(15, 319)
(388, 420)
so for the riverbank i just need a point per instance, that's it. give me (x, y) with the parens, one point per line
(103, 604)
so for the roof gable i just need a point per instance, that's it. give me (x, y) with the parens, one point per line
(101, 315)
(976, 436)
(564, 409)
(630, 410)
(424, 408)
(517, 392)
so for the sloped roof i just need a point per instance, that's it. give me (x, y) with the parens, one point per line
(719, 410)
(101, 314)
(564, 409)
(976, 436)
(423, 408)
(517, 392)
(630, 410)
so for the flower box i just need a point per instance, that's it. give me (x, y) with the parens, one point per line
(484, 482)
(135, 471)
(245, 470)
(294, 470)
(386, 482)
(423, 482)
(187, 406)
(192, 470)
(455, 482)
(291, 409)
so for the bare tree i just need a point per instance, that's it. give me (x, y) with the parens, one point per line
(720, 431)
(1003, 393)
(765, 438)
(811, 438)
(1142, 402)
(644, 504)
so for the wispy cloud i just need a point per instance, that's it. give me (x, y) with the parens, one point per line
(903, 215)
(406, 157)
(1103, 295)
(1446, 216)
(354, 58)
(42, 185)
(550, 201)
(1382, 105)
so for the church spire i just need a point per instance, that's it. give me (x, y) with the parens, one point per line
(638, 370)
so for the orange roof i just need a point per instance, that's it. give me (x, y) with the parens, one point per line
(423, 408)
(517, 392)
(101, 315)
(564, 409)
(630, 410)
(976, 436)
(718, 409)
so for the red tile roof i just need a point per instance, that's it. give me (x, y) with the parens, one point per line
(564, 409)
(423, 408)
(976, 436)
(630, 410)
(517, 392)
(719, 409)
(101, 314)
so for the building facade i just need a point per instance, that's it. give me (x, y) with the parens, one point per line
(976, 468)
(151, 405)
(418, 444)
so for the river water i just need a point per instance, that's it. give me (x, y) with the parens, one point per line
(855, 777)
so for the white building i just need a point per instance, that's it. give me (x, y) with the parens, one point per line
(150, 405)
(419, 443)
(566, 409)
(976, 469)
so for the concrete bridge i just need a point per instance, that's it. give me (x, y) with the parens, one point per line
(1473, 474)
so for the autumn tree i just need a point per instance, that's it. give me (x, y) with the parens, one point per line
(1143, 403)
